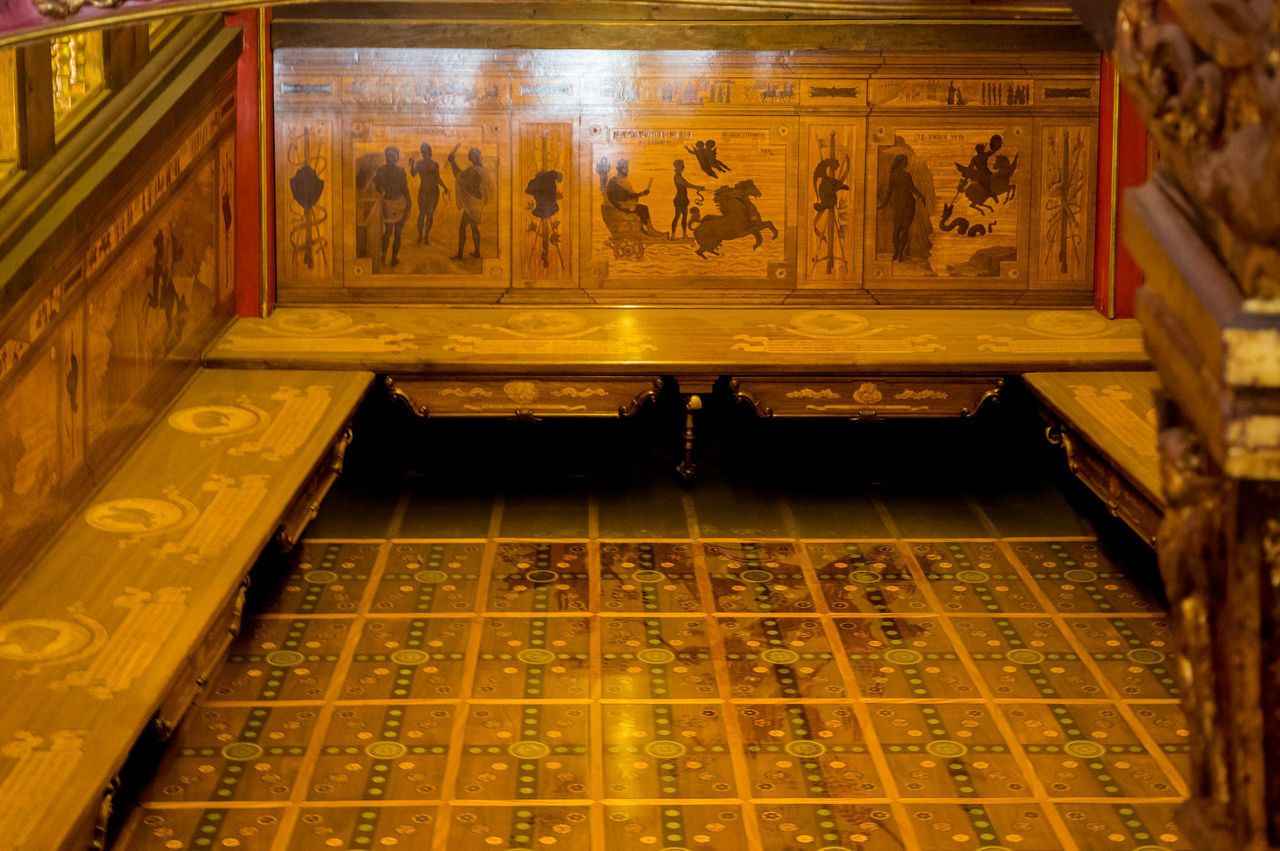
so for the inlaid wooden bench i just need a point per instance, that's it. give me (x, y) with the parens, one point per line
(534, 361)
(1106, 423)
(121, 621)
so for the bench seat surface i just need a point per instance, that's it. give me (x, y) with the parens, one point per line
(675, 341)
(95, 635)
(1115, 413)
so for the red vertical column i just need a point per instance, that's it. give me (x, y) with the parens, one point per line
(1122, 163)
(255, 232)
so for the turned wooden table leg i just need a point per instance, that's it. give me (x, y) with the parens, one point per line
(687, 469)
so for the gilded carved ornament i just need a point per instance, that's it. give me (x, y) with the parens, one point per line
(67, 8)
(1205, 74)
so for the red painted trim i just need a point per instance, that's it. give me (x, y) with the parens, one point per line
(269, 186)
(1102, 222)
(248, 239)
(249, 188)
(1131, 169)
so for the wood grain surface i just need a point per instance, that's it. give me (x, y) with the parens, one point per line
(675, 341)
(1115, 413)
(99, 631)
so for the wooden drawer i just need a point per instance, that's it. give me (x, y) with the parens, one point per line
(507, 396)
(866, 397)
(1121, 496)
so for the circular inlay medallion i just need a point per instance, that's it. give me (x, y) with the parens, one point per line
(805, 749)
(649, 576)
(42, 639)
(973, 577)
(866, 577)
(285, 658)
(431, 577)
(319, 577)
(903, 657)
(529, 750)
(780, 656)
(536, 656)
(133, 515)
(1145, 656)
(541, 576)
(1080, 576)
(656, 656)
(1067, 323)
(1024, 656)
(310, 321)
(946, 748)
(755, 575)
(242, 751)
(214, 420)
(386, 750)
(829, 323)
(664, 749)
(1084, 750)
(409, 657)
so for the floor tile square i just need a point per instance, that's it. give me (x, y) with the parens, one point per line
(904, 657)
(508, 828)
(1077, 577)
(779, 657)
(1086, 750)
(429, 578)
(1124, 826)
(662, 750)
(382, 753)
(448, 509)
(652, 657)
(234, 753)
(370, 826)
(638, 508)
(645, 827)
(648, 577)
(865, 578)
(948, 750)
(403, 658)
(282, 659)
(974, 825)
(159, 828)
(756, 576)
(807, 751)
(974, 577)
(539, 577)
(1132, 652)
(867, 827)
(326, 578)
(524, 751)
(1166, 724)
(1026, 658)
(534, 658)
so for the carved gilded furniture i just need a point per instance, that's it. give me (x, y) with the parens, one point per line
(1206, 76)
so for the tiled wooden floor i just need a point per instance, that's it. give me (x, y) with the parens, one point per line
(704, 669)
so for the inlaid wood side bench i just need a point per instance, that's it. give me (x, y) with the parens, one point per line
(118, 625)
(1106, 424)
(533, 362)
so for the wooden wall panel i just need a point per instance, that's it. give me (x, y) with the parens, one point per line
(718, 151)
(93, 350)
(545, 189)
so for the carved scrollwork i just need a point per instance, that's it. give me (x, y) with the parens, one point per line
(66, 8)
(1206, 76)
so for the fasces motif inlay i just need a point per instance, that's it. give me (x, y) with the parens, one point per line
(36, 764)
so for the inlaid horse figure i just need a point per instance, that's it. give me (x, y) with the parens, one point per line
(738, 218)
